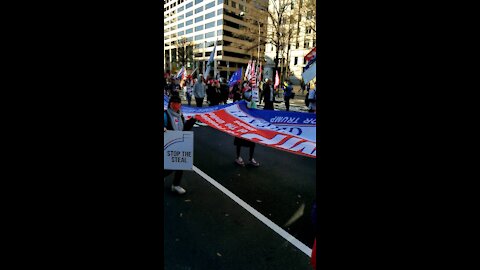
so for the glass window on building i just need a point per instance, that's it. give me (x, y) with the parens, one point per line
(219, 32)
(180, 33)
(197, 10)
(295, 61)
(199, 46)
(199, 28)
(241, 7)
(189, 31)
(314, 43)
(210, 15)
(180, 9)
(225, 2)
(234, 5)
(181, 17)
(199, 19)
(189, 39)
(305, 44)
(188, 14)
(219, 2)
(209, 25)
(189, 5)
(188, 22)
(210, 34)
(220, 22)
(198, 1)
(180, 25)
(199, 37)
(220, 11)
(210, 5)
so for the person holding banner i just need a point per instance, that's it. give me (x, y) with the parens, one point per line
(173, 120)
(241, 142)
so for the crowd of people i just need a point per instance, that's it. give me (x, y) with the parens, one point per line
(218, 92)
(211, 92)
(215, 92)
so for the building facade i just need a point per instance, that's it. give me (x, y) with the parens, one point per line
(192, 27)
(302, 40)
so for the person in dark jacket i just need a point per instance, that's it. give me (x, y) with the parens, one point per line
(223, 91)
(287, 94)
(268, 95)
(215, 98)
(173, 120)
(237, 92)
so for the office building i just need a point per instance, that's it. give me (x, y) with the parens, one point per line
(199, 24)
(302, 40)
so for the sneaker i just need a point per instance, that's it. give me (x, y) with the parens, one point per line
(254, 162)
(178, 189)
(239, 161)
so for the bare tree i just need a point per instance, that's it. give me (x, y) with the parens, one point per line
(184, 51)
(278, 33)
(291, 32)
(309, 14)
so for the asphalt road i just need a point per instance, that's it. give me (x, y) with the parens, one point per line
(205, 229)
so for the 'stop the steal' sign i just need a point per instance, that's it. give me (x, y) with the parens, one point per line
(178, 150)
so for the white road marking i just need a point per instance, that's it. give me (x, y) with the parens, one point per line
(257, 214)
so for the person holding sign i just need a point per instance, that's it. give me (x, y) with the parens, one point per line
(174, 120)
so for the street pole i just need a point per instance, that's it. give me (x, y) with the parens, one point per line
(228, 71)
(258, 55)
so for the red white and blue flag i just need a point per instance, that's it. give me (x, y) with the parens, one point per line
(180, 73)
(311, 55)
(294, 132)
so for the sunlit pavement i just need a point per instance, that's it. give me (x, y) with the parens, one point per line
(205, 229)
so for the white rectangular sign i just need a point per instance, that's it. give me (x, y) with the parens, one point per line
(255, 94)
(178, 150)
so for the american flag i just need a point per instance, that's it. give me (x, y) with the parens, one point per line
(247, 71)
(180, 73)
(253, 74)
(259, 74)
(310, 55)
